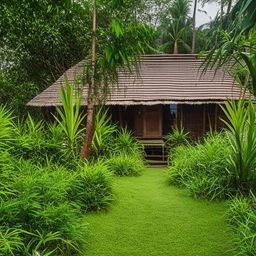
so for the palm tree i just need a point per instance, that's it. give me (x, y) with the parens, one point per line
(176, 28)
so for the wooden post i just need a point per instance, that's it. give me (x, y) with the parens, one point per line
(216, 117)
(181, 116)
(204, 118)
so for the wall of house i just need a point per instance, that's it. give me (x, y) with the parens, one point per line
(199, 119)
(196, 119)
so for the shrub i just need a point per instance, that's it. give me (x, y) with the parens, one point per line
(104, 134)
(126, 143)
(41, 143)
(242, 125)
(176, 138)
(125, 165)
(34, 202)
(41, 207)
(242, 217)
(202, 168)
(92, 187)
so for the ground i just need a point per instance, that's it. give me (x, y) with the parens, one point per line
(151, 218)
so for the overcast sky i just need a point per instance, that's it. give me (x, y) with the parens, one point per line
(211, 10)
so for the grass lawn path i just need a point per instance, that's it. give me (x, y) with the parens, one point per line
(150, 218)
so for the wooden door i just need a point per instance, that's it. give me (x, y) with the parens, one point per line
(152, 121)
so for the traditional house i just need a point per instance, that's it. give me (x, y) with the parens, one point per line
(170, 90)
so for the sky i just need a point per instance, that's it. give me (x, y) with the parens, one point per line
(202, 17)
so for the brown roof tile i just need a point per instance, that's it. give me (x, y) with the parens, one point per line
(163, 79)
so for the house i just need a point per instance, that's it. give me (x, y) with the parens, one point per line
(169, 91)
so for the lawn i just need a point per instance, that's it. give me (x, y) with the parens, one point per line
(151, 218)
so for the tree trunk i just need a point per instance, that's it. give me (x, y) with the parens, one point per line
(229, 6)
(86, 149)
(194, 28)
(175, 49)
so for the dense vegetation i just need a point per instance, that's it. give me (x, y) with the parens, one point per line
(45, 189)
(222, 166)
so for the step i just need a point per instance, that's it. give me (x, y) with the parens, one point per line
(156, 156)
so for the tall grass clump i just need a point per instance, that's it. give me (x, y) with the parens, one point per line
(40, 143)
(92, 187)
(241, 121)
(36, 216)
(202, 168)
(176, 138)
(242, 218)
(41, 208)
(125, 165)
(104, 134)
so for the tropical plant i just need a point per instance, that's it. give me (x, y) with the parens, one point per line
(126, 143)
(124, 43)
(92, 187)
(176, 28)
(241, 121)
(125, 165)
(242, 218)
(104, 132)
(201, 168)
(70, 115)
(6, 128)
(176, 138)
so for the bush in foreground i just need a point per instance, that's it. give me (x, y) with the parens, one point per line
(202, 168)
(242, 217)
(92, 187)
(125, 165)
(37, 214)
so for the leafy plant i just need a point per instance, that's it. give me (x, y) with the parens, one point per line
(242, 217)
(201, 168)
(70, 116)
(92, 187)
(241, 121)
(126, 143)
(6, 128)
(176, 138)
(103, 134)
(125, 165)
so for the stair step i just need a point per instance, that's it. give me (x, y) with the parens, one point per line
(156, 156)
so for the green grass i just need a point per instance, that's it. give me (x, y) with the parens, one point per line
(150, 218)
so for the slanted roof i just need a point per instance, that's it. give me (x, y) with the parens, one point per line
(163, 79)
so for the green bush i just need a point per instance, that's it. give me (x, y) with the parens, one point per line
(176, 138)
(125, 165)
(92, 187)
(242, 217)
(41, 207)
(202, 168)
(40, 143)
(126, 143)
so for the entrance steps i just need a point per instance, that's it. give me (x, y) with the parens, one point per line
(156, 154)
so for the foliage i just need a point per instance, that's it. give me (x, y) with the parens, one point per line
(176, 138)
(34, 202)
(202, 168)
(6, 126)
(41, 207)
(242, 217)
(126, 143)
(125, 165)
(104, 132)
(176, 28)
(40, 143)
(241, 121)
(92, 187)
(70, 116)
